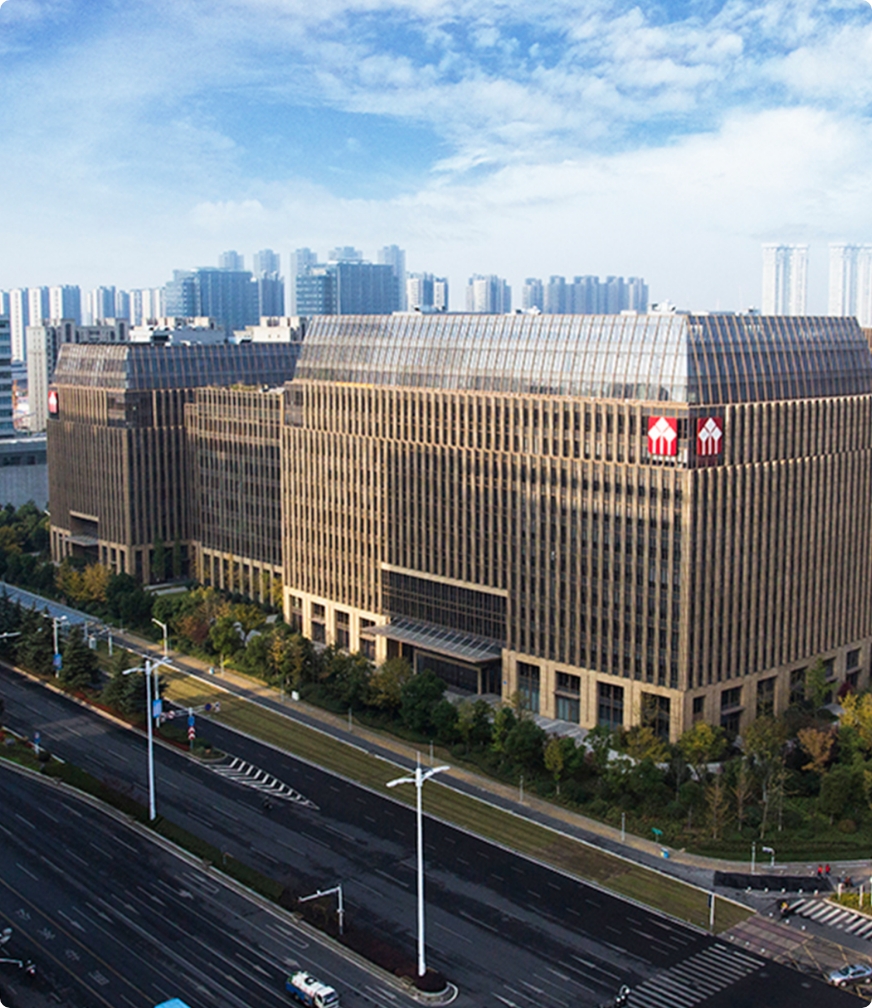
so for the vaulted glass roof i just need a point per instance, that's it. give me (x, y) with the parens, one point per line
(678, 358)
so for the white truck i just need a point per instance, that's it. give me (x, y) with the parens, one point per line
(303, 987)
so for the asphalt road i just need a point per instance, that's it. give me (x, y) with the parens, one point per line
(113, 919)
(507, 931)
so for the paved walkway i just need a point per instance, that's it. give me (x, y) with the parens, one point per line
(689, 867)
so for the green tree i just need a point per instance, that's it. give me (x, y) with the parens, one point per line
(700, 745)
(764, 741)
(444, 721)
(839, 790)
(387, 682)
(125, 692)
(293, 659)
(473, 722)
(419, 696)
(35, 647)
(226, 636)
(601, 741)
(642, 743)
(79, 667)
(555, 759)
(505, 720)
(348, 677)
(525, 745)
(816, 686)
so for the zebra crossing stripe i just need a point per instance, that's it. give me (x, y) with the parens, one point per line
(248, 775)
(850, 921)
(695, 979)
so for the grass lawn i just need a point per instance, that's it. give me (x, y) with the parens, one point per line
(659, 891)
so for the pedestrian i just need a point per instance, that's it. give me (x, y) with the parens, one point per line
(820, 871)
(827, 871)
(211, 670)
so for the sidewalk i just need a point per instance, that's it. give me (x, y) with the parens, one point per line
(693, 868)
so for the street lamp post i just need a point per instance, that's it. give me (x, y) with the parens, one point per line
(150, 668)
(421, 775)
(163, 627)
(55, 621)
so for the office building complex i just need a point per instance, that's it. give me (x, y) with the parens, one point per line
(850, 290)
(785, 279)
(6, 427)
(101, 304)
(532, 295)
(23, 469)
(231, 261)
(270, 284)
(43, 346)
(621, 519)
(120, 469)
(233, 438)
(489, 295)
(146, 304)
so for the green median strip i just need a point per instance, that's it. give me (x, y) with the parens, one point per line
(621, 876)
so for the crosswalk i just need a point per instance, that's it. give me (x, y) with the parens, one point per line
(695, 979)
(248, 775)
(823, 912)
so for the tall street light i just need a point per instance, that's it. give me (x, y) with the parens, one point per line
(55, 621)
(149, 668)
(163, 627)
(421, 775)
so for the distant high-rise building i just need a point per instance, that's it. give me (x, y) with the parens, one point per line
(266, 261)
(122, 305)
(347, 287)
(785, 279)
(18, 322)
(585, 295)
(301, 260)
(65, 303)
(345, 253)
(231, 261)
(146, 303)
(488, 295)
(555, 296)
(228, 296)
(7, 428)
(850, 290)
(101, 304)
(270, 284)
(532, 294)
(37, 305)
(636, 294)
(419, 290)
(395, 257)
(440, 294)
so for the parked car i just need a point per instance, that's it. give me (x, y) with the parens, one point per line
(850, 974)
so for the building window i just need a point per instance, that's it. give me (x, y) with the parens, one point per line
(731, 709)
(766, 697)
(851, 681)
(568, 683)
(610, 705)
(528, 686)
(830, 668)
(698, 708)
(367, 644)
(655, 714)
(340, 626)
(319, 632)
(568, 708)
(852, 659)
(797, 685)
(317, 611)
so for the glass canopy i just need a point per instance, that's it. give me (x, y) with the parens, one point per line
(679, 358)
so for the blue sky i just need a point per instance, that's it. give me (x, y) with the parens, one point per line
(661, 139)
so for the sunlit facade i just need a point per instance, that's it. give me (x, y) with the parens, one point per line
(619, 518)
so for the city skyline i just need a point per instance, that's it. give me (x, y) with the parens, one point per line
(489, 139)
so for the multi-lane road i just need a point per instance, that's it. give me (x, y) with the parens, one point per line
(507, 931)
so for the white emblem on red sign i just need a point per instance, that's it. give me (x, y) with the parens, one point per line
(709, 435)
(52, 401)
(662, 435)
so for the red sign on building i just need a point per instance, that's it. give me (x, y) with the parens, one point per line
(53, 401)
(709, 435)
(662, 435)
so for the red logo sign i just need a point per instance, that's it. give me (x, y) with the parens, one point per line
(709, 435)
(53, 401)
(662, 435)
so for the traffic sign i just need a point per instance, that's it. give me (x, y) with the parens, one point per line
(156, 708)
(190, 720)
(192, 733)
